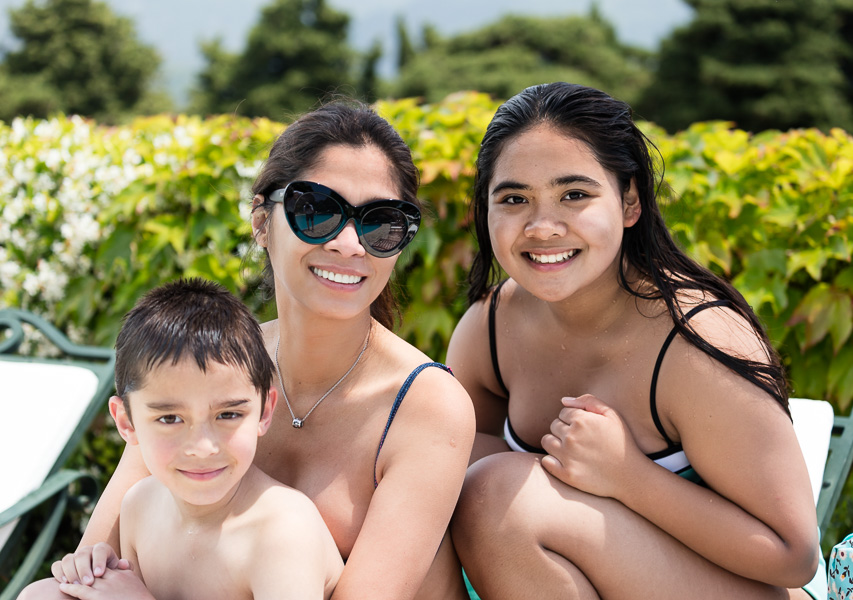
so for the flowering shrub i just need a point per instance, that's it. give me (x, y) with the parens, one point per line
(94, 216)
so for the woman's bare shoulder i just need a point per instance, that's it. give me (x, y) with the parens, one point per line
(431, 390)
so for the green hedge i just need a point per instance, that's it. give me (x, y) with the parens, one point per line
(94, 216)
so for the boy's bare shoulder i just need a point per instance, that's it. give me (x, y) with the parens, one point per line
(273, 510)
(281, 536)
(141, 494)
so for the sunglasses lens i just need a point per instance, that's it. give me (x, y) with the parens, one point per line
(384, 229)
(316, 215)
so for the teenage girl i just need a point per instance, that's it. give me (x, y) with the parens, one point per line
(653, 451)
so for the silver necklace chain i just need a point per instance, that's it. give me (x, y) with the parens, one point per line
(297, 422)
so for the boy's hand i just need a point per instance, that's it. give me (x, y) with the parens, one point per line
(113, 584)
(87, 563)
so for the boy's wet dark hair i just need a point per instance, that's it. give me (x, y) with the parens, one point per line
(190, 318)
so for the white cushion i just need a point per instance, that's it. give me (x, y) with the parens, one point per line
(813, 421)
(41, 406)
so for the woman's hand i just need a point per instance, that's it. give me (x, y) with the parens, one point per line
(114, 584)
(87, 563)
(590, 448)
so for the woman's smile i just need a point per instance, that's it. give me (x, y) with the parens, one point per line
(336, 277)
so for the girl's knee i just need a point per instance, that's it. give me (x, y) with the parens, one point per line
(495, 480)
(500, 495)
(44, 589)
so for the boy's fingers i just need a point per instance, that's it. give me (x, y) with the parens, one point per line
(69, 568)
(83, 592)
(103, 557)
(57, 572)
(83, 564)
(123, 565)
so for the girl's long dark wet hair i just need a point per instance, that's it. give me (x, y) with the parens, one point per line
(606, 126)
(339, 123)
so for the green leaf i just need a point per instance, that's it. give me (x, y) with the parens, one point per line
(812, 261)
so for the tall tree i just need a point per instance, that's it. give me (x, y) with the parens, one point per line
(295, 54)
(764, 64)
(368, 81)
(844, 10)
(76, 56)
(515, 52)
(405, 50)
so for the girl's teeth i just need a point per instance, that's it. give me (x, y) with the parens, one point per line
(552, 258)
(336, 277)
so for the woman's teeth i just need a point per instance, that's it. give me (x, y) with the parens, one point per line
(336, 277)
(552, 258)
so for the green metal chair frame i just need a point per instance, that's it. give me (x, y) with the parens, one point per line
(837, 469)
(57, 487)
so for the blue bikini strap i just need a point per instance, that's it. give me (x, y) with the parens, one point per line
(397, 401)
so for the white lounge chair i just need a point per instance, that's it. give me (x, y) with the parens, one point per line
(47, 405)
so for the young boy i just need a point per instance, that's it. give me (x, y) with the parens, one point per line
(193, 383)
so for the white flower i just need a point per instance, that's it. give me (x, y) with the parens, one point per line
(31, 284)
(52, 282)
(8, 272)
(48, 129)
(47, 280)
(44, 182)
(182, 137)
(245, 207)
(53, 158)
(40, 203)
(78, 230)
(15, 208)
(21, 173)
(248, 171)
(19, 130)
(131, 157)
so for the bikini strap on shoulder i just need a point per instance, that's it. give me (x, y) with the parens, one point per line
(397, 401)
(659, 362)
(493, 343)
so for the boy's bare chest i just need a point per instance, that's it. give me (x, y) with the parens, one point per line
(187, 567)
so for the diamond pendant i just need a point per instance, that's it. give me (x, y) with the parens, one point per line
(297, 423)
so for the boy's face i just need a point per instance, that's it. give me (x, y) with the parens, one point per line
(197, 430)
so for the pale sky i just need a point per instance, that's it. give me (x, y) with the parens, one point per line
(175, 27)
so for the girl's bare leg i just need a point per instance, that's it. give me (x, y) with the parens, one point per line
(44, 589)
(521, 533)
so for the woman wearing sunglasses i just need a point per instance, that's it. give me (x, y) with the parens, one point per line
(653, 454)
(376, 434)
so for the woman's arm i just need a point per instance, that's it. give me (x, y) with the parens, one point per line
(468, 355)
(420, 473)
(103, 525)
